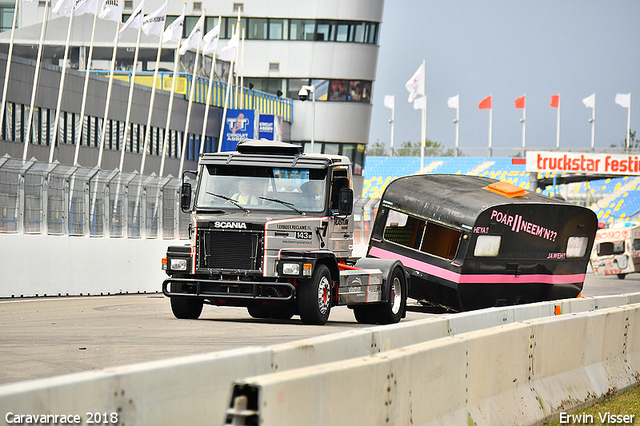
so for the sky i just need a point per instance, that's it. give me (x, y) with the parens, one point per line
(508, 48)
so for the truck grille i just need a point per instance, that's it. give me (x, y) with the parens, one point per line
(230, 250)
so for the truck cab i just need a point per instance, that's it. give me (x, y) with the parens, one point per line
(272, 230)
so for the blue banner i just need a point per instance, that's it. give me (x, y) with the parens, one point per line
(270, 127)
(240, 124)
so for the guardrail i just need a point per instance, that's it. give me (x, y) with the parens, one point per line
(512, 365)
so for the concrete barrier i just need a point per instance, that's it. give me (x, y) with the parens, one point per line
(195, 389)
(45, 265)
(516, 374)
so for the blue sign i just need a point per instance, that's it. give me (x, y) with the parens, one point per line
(270, 127)
(240, 124)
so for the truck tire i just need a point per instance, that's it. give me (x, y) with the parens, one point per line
(186, 307)
(258, 311)
(314, 297)
(393, 309)
(365, 314)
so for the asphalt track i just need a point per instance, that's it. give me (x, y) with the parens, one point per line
(51, 336)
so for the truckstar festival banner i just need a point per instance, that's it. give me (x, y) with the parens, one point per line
(240, 124)
(583, 162)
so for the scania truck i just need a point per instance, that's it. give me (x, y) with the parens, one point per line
(272, 230)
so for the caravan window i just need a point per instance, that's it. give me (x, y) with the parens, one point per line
(610, 247)
(487, 246)
(428, 237)
(577, 246)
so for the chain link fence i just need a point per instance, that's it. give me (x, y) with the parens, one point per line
(57, 199)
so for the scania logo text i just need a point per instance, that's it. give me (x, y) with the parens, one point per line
(234, 225)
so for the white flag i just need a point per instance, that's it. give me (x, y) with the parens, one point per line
(415, 85)
(420, 103)
(228, 53)
(390, 101)
(112, 10)
(454, 102)
(590, 101)
(174, 30)
(86, 6)
(211, 41)
(153, 23)
(624, 99)
(195, 37)
(63, 6)
(134, 21)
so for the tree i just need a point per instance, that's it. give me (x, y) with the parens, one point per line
(634, 144)
(431, 149)
(377, 149)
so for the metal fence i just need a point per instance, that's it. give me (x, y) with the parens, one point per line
(57, 199)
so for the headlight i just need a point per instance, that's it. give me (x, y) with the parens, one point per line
(291, 269)
(178, 264)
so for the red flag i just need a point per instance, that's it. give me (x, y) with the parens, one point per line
(555, 101)
(485, 103)
(520, 102)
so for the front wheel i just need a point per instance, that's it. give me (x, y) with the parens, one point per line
(186, 308)
(392, 310)
(622, 276)
(314, 297)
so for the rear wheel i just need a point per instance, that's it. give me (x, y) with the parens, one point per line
(258, 311)
(365, 314)
(393, 309)
(314, 297)
(622, 276)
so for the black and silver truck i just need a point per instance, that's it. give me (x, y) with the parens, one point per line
(272, 230)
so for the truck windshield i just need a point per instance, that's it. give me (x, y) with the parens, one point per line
(263, 188)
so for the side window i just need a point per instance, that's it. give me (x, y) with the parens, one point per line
(609, 248)
(636, 244)
(440, 241)
(487, 246)
(422, 235)
(403, 229)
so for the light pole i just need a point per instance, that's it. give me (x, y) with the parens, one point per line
(304, 95)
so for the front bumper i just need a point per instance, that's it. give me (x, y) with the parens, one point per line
(229, 290)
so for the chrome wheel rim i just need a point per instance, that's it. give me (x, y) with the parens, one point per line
(396, 296)
(324, 295)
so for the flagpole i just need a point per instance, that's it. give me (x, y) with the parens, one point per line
(27, 138)
(458, 126)
(524, 126)
(123, 148)
(185, 140)
(226, 106)
(423, 132)
(147, 132)
(242, 72)
(103, 131)
(235, 103)
(8, 68)
(629, 123)
(558, 125)
(207, 104)
(54, 139)
(393, 122)
(170, 107)
(593, 123)
(84, 92)
(491, 127)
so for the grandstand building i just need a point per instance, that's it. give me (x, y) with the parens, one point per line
(330, 44)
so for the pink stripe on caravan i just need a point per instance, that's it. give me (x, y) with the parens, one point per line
(476, 278)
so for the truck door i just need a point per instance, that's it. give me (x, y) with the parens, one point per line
(340, 230)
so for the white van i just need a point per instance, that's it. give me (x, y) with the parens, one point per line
(617, 250)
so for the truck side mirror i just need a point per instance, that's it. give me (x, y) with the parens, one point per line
(345, 202)
(185, 197)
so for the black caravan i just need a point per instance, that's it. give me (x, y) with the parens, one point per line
(471, 242)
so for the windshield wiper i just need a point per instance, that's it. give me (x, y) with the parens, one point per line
(284, 203)
(231, 200)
